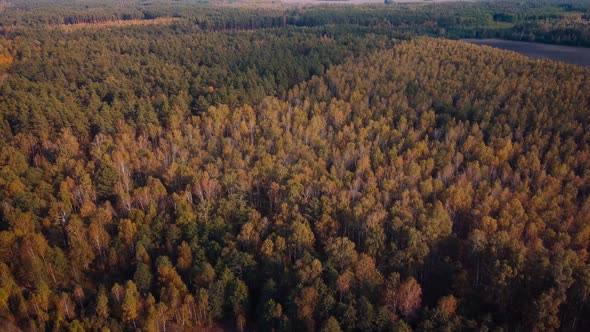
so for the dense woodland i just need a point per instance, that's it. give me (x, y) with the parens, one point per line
(289, 169)
(564, 22)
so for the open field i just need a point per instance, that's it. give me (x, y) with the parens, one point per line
(359, 2)
(576, 55)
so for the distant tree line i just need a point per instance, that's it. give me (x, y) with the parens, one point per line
(547, 21)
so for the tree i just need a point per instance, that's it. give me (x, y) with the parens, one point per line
(185, 257)
(217, 294)
(331, 325)
(368, 320)
(341, 253)
(143, 277)
(308, 272)
(99, 239)
(81, 254)
(131, 304)
(106, 178)
(127, 233)
(409, 297)
(65, 306)
(272, 312)
(39, 302)
(79, 296)
(301, 237)
(390, 296)
(447, 305)
(365, 270)
(102, 305)
(343, 283)
(239, 302)
(306, 301)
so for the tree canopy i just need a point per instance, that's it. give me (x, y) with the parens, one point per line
(290, 176)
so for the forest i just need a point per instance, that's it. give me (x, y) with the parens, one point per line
(191, 166)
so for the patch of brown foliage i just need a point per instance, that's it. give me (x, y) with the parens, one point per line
(118, 23)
